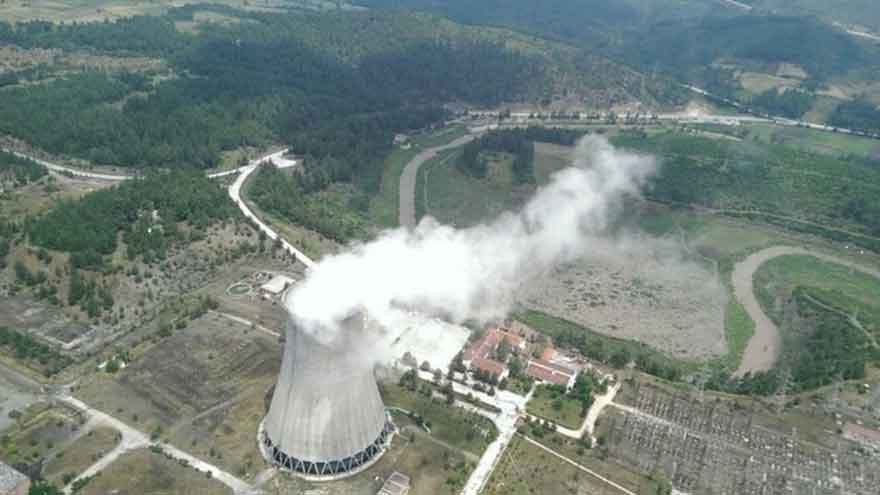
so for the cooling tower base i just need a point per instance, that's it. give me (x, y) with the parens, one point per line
(328, 469)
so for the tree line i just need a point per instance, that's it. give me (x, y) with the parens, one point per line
(518, 142)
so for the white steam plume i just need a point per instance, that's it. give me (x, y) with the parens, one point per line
(474, 273)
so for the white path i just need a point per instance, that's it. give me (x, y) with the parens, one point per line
(235, 194)
(596, 408)
(133, 439)
(248, 323)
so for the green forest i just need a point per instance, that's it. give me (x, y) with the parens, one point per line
(249, 84)
(146, 211)
(860, 114)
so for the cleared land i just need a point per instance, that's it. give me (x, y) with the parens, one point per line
(203, 389)
(649, 293)
(145, 472)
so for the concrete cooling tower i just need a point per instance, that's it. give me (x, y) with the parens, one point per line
(326, 419)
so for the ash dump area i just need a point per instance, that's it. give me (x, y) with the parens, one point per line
(649, 294)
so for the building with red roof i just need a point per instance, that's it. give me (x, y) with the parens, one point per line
(547, 372)
(479, 355)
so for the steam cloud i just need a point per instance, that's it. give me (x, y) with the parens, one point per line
(474, 273)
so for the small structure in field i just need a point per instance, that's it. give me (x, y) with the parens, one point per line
(276, 286)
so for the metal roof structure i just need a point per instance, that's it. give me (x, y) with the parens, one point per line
(326, 419)
(277, 284)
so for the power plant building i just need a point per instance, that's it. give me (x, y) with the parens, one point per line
(326, 419)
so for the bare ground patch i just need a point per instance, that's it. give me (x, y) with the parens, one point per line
(672, 305)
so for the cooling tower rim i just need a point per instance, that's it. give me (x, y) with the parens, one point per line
(383, 443)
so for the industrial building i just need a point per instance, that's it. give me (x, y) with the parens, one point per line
(326, 419)
(12, 482)
(276, 286)
(396, 484)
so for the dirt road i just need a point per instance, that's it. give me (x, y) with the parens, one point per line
(766, 343)
(410, 173)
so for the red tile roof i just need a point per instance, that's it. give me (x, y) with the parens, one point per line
(549, 372)
(482, 347)
(548, 354)
(490, 366)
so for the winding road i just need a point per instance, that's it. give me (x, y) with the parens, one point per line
(764, 346)
(410, 174)
(133, 439)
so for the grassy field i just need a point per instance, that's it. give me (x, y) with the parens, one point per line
(548, 404)
(149, 473)
(455, 198)
(454, 426)
(82, 453)
(814, 140)
(852, 292)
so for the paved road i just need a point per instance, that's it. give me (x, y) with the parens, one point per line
(234, 190)
(407, 217)
(235, 194)
(764, 346)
